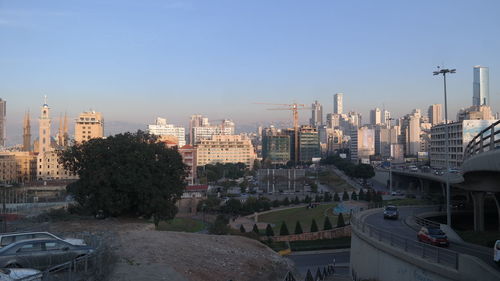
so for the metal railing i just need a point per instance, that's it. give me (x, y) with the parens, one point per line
(425, 222)
(432, 253)
(488, 139)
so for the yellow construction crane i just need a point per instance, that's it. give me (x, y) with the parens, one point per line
(294, 107)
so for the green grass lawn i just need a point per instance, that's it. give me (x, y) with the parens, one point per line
(486, 238)
(302, 214)
(331, 179)
(181, 224)
(337, 243)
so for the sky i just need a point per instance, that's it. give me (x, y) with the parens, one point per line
(136, 60)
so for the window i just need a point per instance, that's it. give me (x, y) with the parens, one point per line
(43, 235)
(53, 245)
(30, 247)
(7, 240)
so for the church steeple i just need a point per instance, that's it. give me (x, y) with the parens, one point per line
(27, 132)
(44, 141)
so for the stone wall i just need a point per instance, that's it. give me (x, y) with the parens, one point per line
(324, 234)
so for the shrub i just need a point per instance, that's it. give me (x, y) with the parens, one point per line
(336, 197)
(242, 229)
(327, 225)
(340, 220)
(298, 228)
(314, 226)
(354, 196)
(255, 229)
(345, 196)
(284, 229)
(269, 230)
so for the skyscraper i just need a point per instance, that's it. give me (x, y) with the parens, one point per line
(375, 116)
(338, 103)
(3, 113)
(317, 114)
(480, 86)
(435, 114)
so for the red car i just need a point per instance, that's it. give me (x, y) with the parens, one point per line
(433, 235)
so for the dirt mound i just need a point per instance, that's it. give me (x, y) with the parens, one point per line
(145, 254)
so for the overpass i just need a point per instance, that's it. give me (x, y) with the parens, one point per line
(388, 250)
(480, 173)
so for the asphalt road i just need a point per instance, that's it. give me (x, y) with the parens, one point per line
(312, 260)
(400, 228)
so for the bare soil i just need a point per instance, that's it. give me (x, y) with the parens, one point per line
(143, 253)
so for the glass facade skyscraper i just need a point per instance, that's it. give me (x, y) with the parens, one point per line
(480, 86)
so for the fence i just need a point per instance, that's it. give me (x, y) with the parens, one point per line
(487, 139)
(434, 254)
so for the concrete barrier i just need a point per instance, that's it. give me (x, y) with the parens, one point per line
(378, 260)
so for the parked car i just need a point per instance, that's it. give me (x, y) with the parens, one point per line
(9, 238)
(433, 235)
(40, 253)
(18, 274)
(413, 168)
(496, 252)
(391, 212)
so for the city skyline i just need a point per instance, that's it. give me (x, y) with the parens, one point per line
(191, 57)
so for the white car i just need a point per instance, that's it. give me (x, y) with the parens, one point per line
(24, 274)
(9, 238)
(496, 252)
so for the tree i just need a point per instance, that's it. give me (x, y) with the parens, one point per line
(336, 197)
(126, 174)
(368, 196)
(327, 225)
(307, 199)
(328, 197)
(284, 229)
(354, 196)
(314, 226)
(219, 227)
(286, 202)
(345, 196)
(364, 171)
(255, 228)
(242, 229)
(296, 201)
(361, 194)
(275, 203)
(309, 276)
(232, 206)
(269, 230)
(340, 220)
(298, 228)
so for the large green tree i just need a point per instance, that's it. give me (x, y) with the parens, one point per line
(126, 174)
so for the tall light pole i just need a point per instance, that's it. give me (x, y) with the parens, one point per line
(390, 156)
(445, 71)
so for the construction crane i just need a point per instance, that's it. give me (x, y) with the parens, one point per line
(294, 107)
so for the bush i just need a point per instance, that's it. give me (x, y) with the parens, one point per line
(298, 228)
(269, 230)
(314, 226)
(296, 201)
(336, 197)
(327, 225)
(345, 196)
(255, 229)
(354, 196)
(286, 202)
(340, 220)
(242, 229)
(275, 203)
(219, 227)
(284, 229)
(361, 194)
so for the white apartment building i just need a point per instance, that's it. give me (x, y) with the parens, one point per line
(162, 128)
(207, 132)
(225, 149)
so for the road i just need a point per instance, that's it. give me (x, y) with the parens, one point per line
(399, 227)
(314, 259)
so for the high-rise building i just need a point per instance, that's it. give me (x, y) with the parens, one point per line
(317, 114)
(387, 136)
(89, 125)
(275, 146)
(480, 86)
(27, 132)
(366, 143)
(309, 145)
(206, 131)
(386, 117)
(338, 103)
(3, 114)
(161, 128)
(413, 135)
(375, 116)
(435, 114)
(482, 112)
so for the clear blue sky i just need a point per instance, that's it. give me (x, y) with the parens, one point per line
(135, 60)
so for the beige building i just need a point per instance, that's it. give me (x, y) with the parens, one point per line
(188, 153)
(225, 149)
(89, 125)
(17, 166)
(48, 167)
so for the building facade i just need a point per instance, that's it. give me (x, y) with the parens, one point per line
(188, 153)
(435, 114)
(338, 103)
(375, 116)
(480, 86)
(3, 114)
(309, 144)
(275, 146)
(225, 149)
(316, 115)
(89, 125)
(162, 128)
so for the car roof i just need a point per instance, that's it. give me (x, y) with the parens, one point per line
(24, 232)
(391, 206)
(30, 241)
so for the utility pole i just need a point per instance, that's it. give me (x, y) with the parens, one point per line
(445, 71)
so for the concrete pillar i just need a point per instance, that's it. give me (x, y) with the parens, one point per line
(478, 199)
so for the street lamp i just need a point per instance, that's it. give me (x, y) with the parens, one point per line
(390, 156)
(445, 71)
